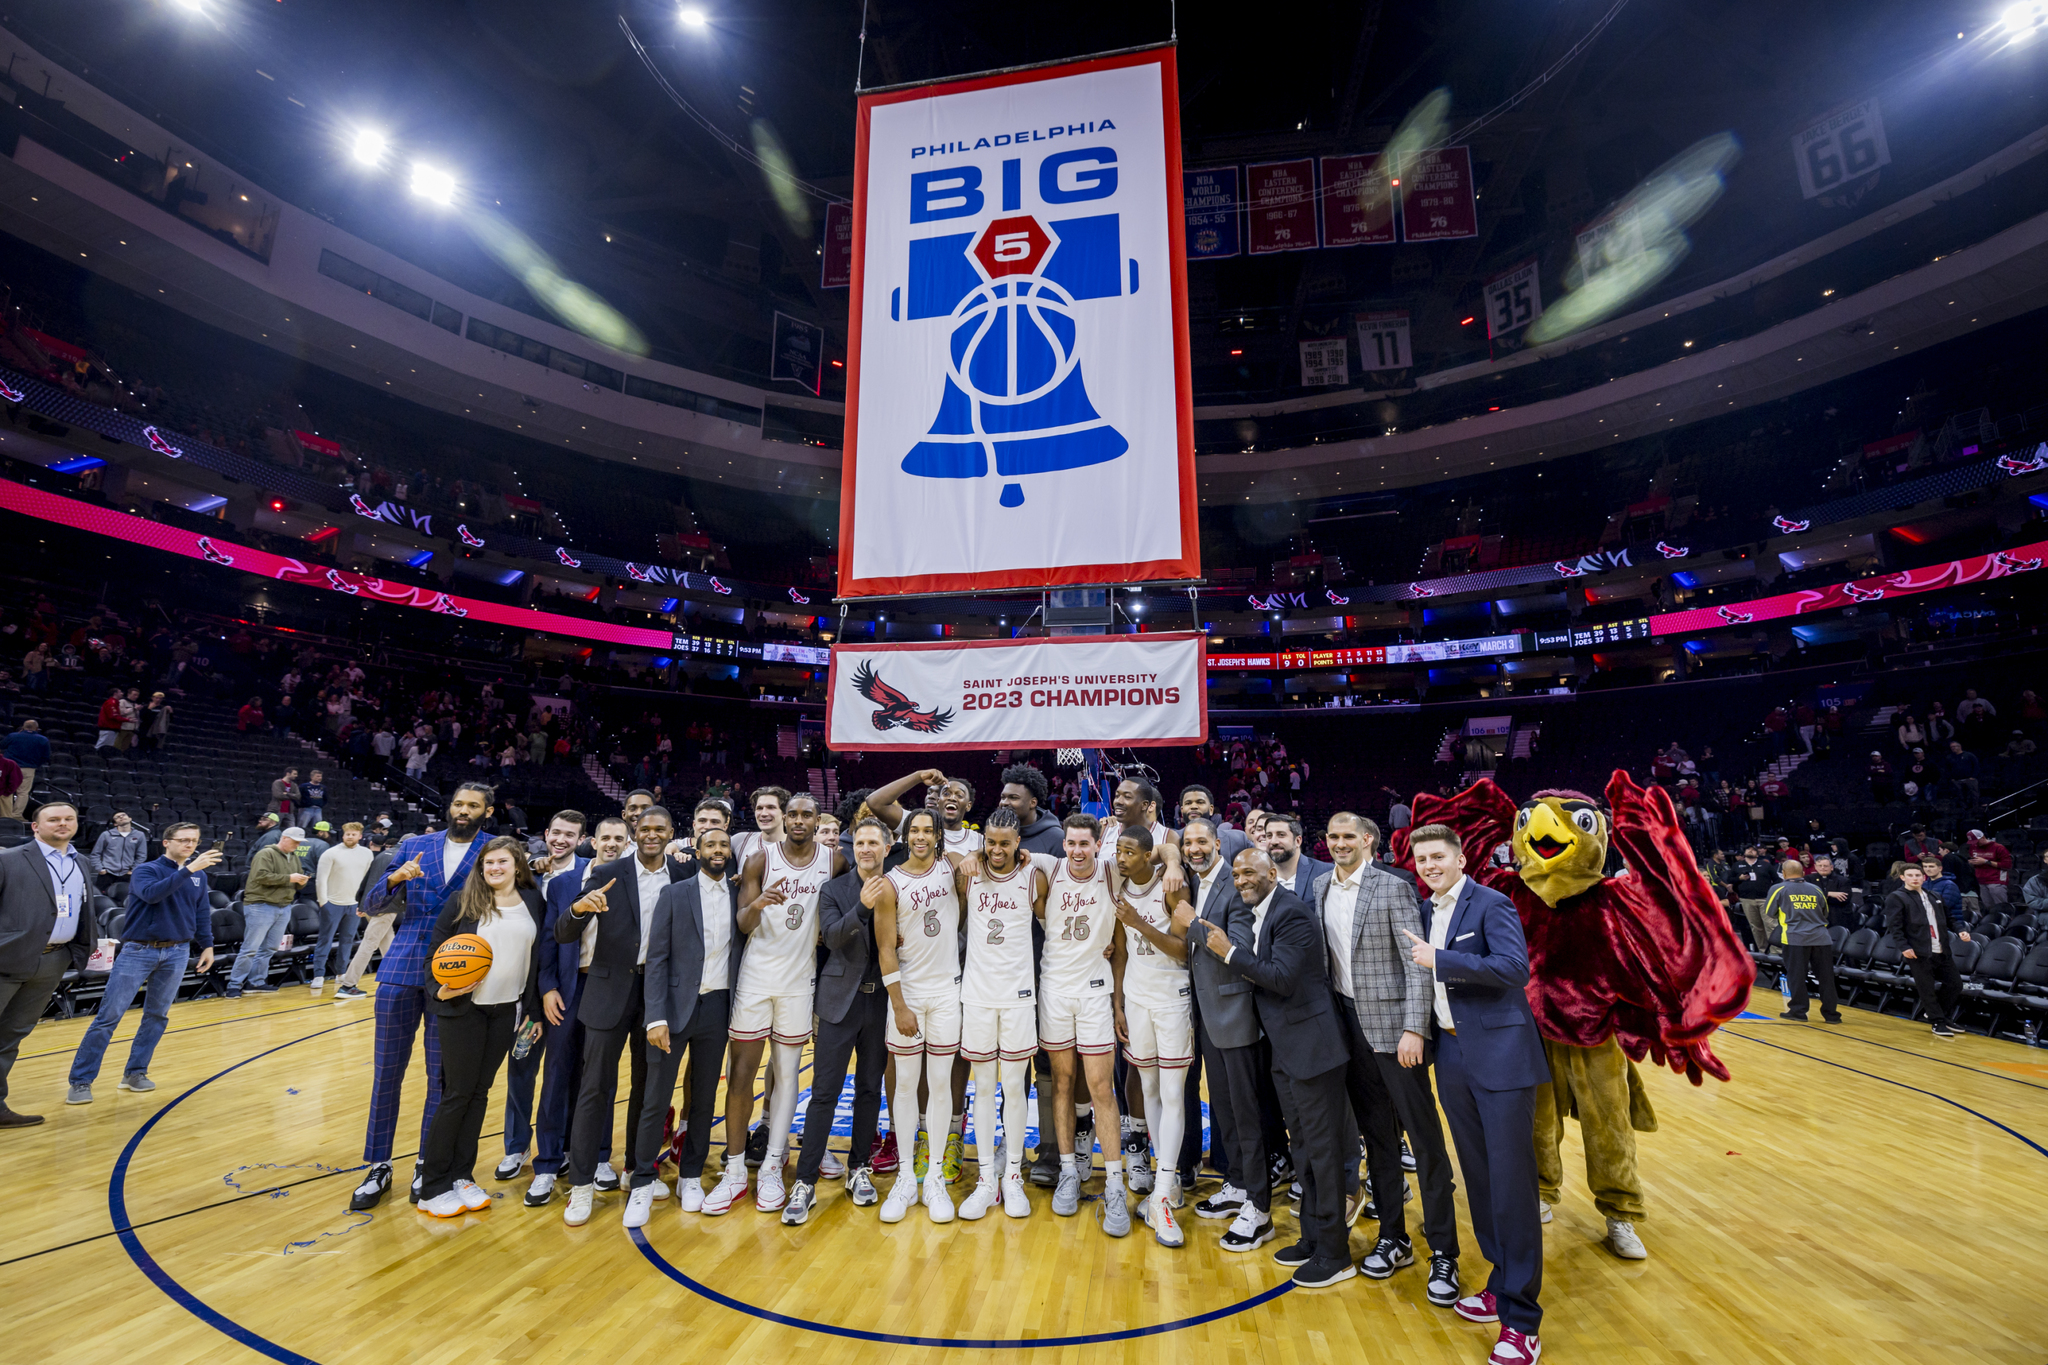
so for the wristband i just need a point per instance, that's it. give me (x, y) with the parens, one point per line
(891, 979)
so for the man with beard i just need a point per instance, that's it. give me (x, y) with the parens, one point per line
(1199, 803)
(429, 868)
(693, 958)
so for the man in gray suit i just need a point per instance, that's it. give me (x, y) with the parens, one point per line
(1227, 1025)
(693, 959)
(1383, 1002)
(46, 927)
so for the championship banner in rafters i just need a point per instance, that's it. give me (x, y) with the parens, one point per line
(1019, 412)
(1070, 691)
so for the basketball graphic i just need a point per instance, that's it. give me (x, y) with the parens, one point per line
(463, 960)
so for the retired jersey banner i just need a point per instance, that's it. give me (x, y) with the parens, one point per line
(1019, 411)
(1073, 692)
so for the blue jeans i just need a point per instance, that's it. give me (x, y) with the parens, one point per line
(154, 971)
(308, 816)
(262, 930)
(333, 918)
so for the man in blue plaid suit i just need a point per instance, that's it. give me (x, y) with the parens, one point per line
(427, 869)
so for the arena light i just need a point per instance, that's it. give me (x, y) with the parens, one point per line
(368, 147)
(692, 17)
(2021, 20)
(433, 184)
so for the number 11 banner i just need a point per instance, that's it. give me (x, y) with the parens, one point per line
(1019, 411)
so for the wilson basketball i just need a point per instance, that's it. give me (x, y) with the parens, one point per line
(462, 961)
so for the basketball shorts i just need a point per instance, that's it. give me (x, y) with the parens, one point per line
(938, 1028)
(786, 1019)
(1083, 1022)
(988, 1032)
(1161, 1035)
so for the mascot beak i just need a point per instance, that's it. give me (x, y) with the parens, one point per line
(1549, 835)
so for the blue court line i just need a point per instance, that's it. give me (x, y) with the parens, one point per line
(656, 1259)
(1906, 1051)
(1869, 1075)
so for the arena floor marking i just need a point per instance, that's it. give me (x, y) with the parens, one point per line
(1928, 1057)
(190, 1028)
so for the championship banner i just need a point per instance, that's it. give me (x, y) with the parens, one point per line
(1282, 199)
(1067, 692)
(835, 264)
(1019, 412)
(1209, 199)
(1438, 202)
(1358, 202)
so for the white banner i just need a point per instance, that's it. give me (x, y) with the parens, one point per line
(1383, 341)
(1075, 691)
(1844, 146)
(1019, 411)
(1326, 361)
(1514, 299)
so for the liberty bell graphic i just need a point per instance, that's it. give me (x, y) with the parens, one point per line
(1013, 377)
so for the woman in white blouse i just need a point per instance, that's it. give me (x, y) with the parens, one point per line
(501, 905)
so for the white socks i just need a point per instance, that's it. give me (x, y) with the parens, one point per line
(1165, 1115)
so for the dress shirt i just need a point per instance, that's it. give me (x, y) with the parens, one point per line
(1208, 881)
(714, 904)
(588, 944)
(1258, 922)
(651, 884)
(68, 881)
(1340, 913)
(1926, 903)
(1446, 904)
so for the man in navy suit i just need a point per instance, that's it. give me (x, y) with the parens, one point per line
(561, 990)
(1489, 1061)
(564, 832)
(1290, 975)
(694, 945)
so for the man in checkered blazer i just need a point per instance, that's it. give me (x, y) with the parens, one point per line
(427, 869)
(1383, 1002)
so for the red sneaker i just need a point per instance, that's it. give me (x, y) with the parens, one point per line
(1477, 1307)
(886, 1158)
(1515, 1348)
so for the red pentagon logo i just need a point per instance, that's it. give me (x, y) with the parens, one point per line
(1012, 246)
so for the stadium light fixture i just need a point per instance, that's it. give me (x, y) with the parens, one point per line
(692, 17)
(368, 147)
(2022, 19)
(433, 184)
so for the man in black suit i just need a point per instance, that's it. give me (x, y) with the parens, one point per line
(693, 958)
(623, 896)
(1289, 971)
(1296, 870)
(46, 927)
(1489, 1061)
(853, 1024)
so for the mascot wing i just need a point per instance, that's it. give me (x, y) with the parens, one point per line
(1678, 938)
(1483, 816)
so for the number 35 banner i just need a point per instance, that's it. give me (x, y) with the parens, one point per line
(1074, 692)
(1019, 411)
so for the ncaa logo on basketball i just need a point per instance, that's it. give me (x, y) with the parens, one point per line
(1018, 408)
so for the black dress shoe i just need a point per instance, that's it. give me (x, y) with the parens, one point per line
(1301, 1253)
(10, 1119)
(376, 1184)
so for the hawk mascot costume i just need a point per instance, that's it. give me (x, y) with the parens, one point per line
(1640, 963)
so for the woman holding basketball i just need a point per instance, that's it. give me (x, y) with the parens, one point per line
(483, 957)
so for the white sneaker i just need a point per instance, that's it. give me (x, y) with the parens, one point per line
(581, 1197)
(979, 1200)
(937, 1202)
(1158, 1215)
(640, 1207)
(316, 983)
(769, 1192)
(474, 1196)
(660, 1188)
(1623, 1242)
(900, 1196)
(1543, 1209)
(690, 1194)
(541, 1190)
(447, 1205)
(731, 1186)
(832, 1168)
(510, 1167)
(607, 1178)
(1016, 1202)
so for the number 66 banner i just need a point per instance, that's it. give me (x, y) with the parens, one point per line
(1072, 692)
(1018, 409)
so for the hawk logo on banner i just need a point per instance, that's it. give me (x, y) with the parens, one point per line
(1857, 594)
(1565, 570)
(566, 558)
(799, 598)
(892, 708)
(1733, 617)
(1417, 590)
(2025, 464)
(1788, 526)
(10, 393)
(213, 553)
(1019, 409)
(1672, 551)
(470, 538)
(160, 445)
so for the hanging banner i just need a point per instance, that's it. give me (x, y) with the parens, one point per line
(1383, 341)
(1358, 202)
(1437, 202)
(1209, 200)
(1325, 361)
(1075, 691)
(1019, 411)
(798, 353)
(1280, 201)
(1514, 299)
(1841, 147)
(835, 269)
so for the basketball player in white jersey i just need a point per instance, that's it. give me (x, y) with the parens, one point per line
(1135, 804)
(1154, 1013)
(773, 999)
(917, 946)
(999, 1009)
(1083, 952)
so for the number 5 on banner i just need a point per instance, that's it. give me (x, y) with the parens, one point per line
(1012, 246)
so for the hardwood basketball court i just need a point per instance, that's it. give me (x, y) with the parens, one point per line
(1856, 1194)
